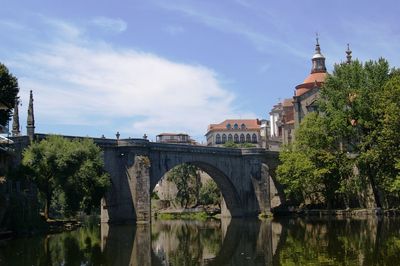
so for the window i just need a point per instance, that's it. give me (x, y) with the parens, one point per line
(236, 138)
(236, 126)
(241, 138)
(228, 126)
(230, 137)
(218, 139)
(223, 138)
(254, 138)
(243, 126)
(248, 138)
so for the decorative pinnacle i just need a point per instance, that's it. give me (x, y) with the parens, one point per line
(31, 118)
(348, 56)
(317, 47)
(15, 124)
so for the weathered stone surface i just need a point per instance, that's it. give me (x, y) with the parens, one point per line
(137, 166)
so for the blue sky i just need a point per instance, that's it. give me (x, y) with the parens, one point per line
(98, 67)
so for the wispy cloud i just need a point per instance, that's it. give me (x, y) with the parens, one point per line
(110, 24)
(244, 3)
(174, 30)
(93, 83)
(261, 41)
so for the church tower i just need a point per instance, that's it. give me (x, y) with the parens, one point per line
(306, 93)
(30, 125)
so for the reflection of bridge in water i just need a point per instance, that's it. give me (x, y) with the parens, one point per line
(225, 242)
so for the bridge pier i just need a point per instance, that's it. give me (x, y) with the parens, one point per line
(139, 176)
(261, 183)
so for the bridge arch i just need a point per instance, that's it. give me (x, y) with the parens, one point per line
(231, 205)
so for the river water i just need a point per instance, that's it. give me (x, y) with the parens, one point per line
(216, 242)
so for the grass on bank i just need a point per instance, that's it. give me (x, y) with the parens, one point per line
(201, 216)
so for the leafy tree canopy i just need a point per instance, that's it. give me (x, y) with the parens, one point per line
(187, 182)
(8, 92)
(210, 193)
(71, 167)
(231, 144)
(357, 124)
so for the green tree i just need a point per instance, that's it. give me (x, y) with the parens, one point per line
(187, 181)
(353, 110)
(8, 92)
(357, 101)
(380, 157)
(210, 193)
(313, 167)
(72, 167)
(231, 144)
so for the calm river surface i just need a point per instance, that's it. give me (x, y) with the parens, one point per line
(216, 242)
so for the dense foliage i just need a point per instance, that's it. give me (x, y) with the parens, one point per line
(231, 144)
(8, 92)
(191, 191)
(352, 143)
(71, 171)
(187, 182)
(210, 194)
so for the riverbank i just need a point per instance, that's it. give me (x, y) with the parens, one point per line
(199, 213)
(347, 213)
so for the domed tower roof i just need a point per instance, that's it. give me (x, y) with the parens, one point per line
(318, 60)
(318, 72)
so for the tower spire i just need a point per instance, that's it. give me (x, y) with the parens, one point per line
(318, 60)
(348, 54)
(30, 125)
(15, 125)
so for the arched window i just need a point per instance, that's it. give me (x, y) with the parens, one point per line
(236, 126)
(228, 126)
(243, 126)
(230, 137)
(241, 138)
(218, 139)
(248, 138)
(254, 138)
(223, 138)
(236, 138)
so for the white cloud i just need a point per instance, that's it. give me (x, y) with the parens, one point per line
(91, 83)
(110, 24)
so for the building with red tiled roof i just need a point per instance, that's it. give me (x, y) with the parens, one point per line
(234, 130)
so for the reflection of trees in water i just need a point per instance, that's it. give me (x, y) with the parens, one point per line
(248, 242)
(80, 247)
(76, 248)
(347, 242)
(186, 242)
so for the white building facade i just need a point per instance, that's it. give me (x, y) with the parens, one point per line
(236, 131)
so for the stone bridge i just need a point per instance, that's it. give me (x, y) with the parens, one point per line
(244, 176)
